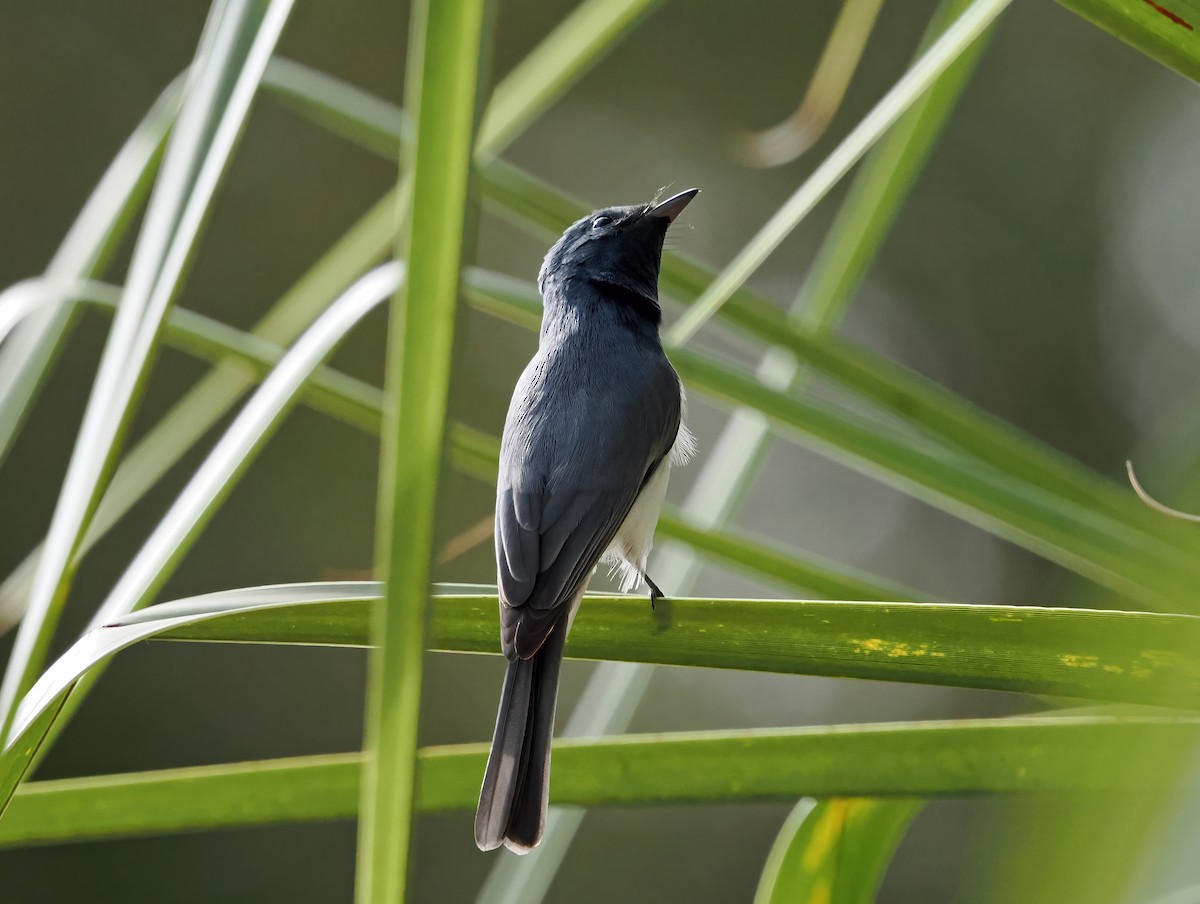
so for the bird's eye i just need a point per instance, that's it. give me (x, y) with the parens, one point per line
(601, 222)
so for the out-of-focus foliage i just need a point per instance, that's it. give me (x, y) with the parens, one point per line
(834, 851)
(986, 285)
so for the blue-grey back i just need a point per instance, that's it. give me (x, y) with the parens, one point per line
(594, 413)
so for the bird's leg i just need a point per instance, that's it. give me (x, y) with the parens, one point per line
(655, 593)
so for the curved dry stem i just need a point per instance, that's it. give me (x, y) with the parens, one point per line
(787, 140)
(1154, 503)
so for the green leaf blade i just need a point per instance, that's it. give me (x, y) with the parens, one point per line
(1119, 656)
(1124, 656)
(1164, 32)
(835, 851)
(237, 43)
(443, 75)
(903, 760)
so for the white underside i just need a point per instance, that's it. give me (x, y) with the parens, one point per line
(630, 549)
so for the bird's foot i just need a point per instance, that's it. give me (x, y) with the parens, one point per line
(655, 593)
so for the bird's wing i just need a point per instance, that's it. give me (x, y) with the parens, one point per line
(570, 471)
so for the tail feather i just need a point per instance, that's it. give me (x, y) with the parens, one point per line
(516, 784)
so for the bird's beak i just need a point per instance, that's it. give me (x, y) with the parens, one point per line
(674, 205)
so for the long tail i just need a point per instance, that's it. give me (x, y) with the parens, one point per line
(516, 785)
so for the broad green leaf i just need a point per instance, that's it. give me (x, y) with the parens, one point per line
(1135, 657)
(835, 851)
(1165, 32)
(301, 789)
(443, 76)
(237, 43)
(1123, 656)
(966, 757)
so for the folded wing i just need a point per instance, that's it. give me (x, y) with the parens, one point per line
(572, 462)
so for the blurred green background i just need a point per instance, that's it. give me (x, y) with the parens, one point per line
(1044, 268)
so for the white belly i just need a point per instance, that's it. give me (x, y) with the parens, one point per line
(631, 546)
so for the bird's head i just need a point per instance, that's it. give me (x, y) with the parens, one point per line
(618, 249)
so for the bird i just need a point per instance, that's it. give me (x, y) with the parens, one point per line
(595, 423)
